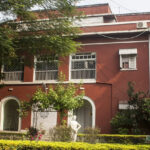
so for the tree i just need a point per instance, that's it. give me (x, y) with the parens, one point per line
(136, 119)
(24, 34)
(62, 98)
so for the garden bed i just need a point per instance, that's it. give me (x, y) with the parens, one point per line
(13, 135)
(40, 145)
(114, 138)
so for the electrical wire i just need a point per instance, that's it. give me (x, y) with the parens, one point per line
(113, 1)
(115, 38)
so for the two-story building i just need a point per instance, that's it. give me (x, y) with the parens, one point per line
(114, 50)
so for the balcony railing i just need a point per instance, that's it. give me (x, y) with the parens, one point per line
(83, 74)
(13, 76)
(46, 75)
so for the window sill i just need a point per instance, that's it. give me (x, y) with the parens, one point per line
(46, 82)
(83, 80)
(27, 83)
(11, 82)
(129, 69)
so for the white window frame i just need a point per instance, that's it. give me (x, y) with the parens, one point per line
(131, 57)
(13, 73)
(34, 75)
(81, 80)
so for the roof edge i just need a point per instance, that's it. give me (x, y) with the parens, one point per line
(91, 5)
(78, 6)
(137, 13)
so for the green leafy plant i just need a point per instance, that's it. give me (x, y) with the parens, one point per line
(61, 133)
(32, 133)
(33, 145)
(62, 98)
(19, 36)
(35, 134)
(117, 138)
(91, 134)
(136, 119)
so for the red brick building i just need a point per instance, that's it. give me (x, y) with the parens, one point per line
(115, 50)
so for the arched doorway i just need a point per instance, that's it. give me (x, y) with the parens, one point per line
(10, 115)
(86, 114)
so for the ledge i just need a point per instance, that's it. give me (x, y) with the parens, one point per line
(46, 82)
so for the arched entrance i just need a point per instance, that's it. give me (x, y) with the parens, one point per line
(86, 114)
(11, 115)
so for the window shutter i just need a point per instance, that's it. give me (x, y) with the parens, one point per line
(120, 61)
(132, 62)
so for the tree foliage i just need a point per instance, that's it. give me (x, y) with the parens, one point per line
(136, 119)
(62, 98)
(49, 29)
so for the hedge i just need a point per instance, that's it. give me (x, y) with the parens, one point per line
(12, 135)
(116, 138)
(40, 145)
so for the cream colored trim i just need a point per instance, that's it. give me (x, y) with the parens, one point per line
(70, 113)
(108, 43)
(114, 32)
(93, 109)
(83, 80)
(46, 82)
(128, 51)
(113, 23)
(34, 68)
(100, 24)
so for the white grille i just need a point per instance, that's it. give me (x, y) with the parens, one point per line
(46, 70)
(128, 61)
(14, 71)
(83, 66)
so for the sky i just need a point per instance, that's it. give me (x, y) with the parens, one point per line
(122, 6)
(117, 6)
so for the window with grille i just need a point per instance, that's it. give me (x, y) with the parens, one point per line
(83, 66)
(46, 69)
(14, 71)
(128, 59)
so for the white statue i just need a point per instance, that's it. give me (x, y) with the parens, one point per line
(75, 126)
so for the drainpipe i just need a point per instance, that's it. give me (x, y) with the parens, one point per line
(45, 87)
(149, 59)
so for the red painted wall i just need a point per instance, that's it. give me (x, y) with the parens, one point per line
(133, 17)
(87, 10)
(111, 83)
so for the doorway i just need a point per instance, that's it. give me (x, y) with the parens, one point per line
(84, 115)
(11, 115)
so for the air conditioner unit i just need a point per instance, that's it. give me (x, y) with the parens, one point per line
(141, 25)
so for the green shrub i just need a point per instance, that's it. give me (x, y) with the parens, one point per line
(33, 145)
(7, 135)
(91, 134)
(35, 134)
(116, 138)
(136, 118)
(32, 133)
(61, 133)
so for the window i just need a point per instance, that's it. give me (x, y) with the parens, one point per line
(83, 66)
(46, 69)
(14, 71)
(128, 59)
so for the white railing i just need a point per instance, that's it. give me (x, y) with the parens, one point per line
(13, 76)
(83, 74)
(46, 75)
